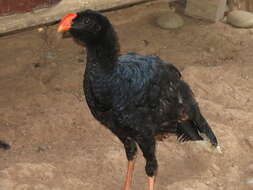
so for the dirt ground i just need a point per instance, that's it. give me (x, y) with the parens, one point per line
(57, 144)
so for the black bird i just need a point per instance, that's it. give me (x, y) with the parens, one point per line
(137, 97)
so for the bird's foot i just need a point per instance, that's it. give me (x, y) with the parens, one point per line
(209, 147)
(218, 149)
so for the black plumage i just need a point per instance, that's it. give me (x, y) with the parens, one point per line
(4, 145)
(137, 97)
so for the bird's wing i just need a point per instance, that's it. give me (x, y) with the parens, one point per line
(142, 78)
(133, 80)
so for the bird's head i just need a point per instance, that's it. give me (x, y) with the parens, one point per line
(87, 26)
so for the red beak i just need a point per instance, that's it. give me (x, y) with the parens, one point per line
(66, 22)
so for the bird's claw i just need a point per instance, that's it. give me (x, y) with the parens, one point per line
(218, 148)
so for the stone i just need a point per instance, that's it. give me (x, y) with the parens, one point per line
(170, 20)
(41, 29)
(212, 10)
(239, 18)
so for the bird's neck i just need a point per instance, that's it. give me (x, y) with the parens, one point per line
(103, 55)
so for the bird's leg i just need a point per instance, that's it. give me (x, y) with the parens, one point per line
(129, 175)
(151, 169)
(147, 145)
(151, 181)
(131, 150)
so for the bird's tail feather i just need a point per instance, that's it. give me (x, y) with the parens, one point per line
(203, 126)
(193, 123)
(187, 131)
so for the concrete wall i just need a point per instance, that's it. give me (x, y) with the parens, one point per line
(43, 16)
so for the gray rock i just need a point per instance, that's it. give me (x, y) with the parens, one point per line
(239, 18)
(170, 20)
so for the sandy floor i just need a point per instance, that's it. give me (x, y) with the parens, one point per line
(56, 143)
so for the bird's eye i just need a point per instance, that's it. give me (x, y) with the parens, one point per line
(87, 21)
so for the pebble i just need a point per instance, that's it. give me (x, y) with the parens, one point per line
(41, 29)
(239, 18)
(170, 20)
